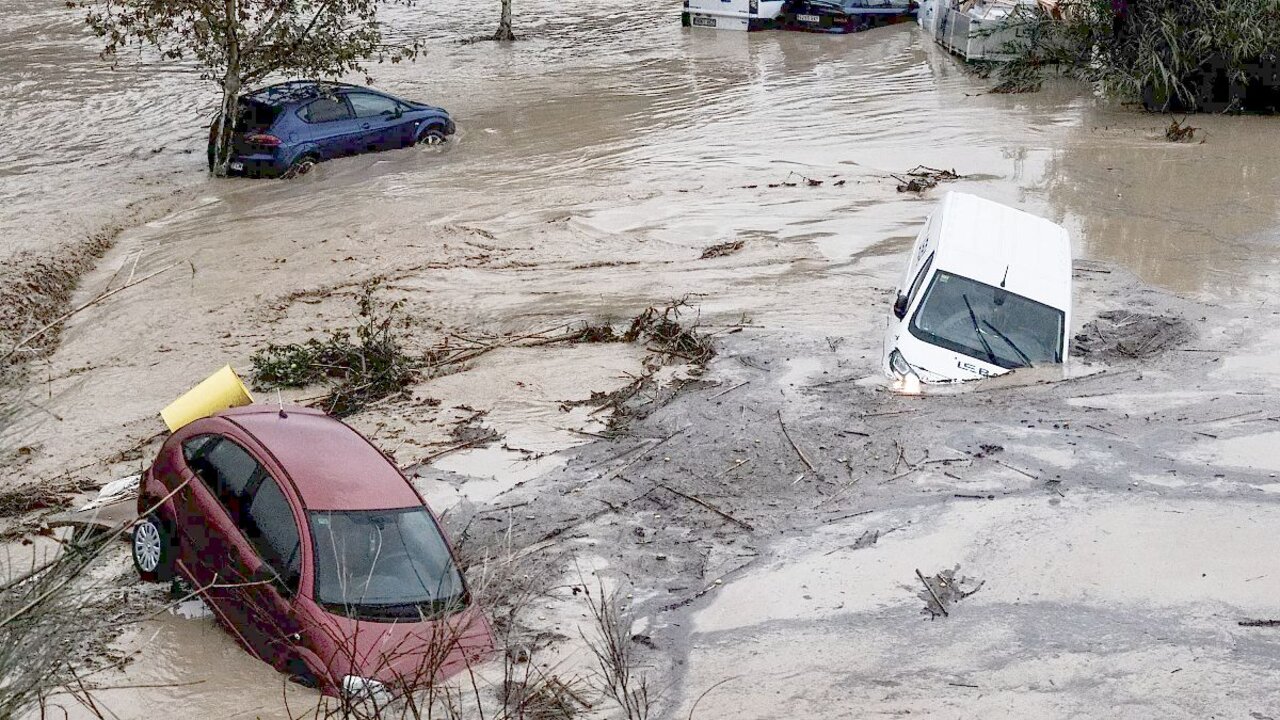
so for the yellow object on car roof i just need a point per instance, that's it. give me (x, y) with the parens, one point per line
(221, 390)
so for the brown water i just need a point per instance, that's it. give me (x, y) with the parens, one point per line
(595, 160)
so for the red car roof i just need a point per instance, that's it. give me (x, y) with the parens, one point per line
(332, 466)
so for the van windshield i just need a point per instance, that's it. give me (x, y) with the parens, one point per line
(384, 564)
(988, 323)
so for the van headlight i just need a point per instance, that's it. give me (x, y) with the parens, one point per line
(899, 365)
(905, 379)
(361, 689)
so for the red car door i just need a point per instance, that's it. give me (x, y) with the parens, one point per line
(269, 551)
(213, 549)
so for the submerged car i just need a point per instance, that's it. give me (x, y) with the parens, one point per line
(311, 548)
(987, 290)
(844, 16)
(284, 130)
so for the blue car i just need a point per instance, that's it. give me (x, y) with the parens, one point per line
(284, 130)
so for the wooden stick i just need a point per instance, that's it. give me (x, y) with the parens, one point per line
(799, 452)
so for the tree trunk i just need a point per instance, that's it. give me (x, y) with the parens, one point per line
(225, 124)
(504, 33)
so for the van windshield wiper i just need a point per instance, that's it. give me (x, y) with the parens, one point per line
(1009, 342)
(977, 329)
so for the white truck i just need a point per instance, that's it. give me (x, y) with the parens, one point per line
(731, 14)
(987, 290)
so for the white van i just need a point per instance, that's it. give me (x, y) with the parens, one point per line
(987, 290)
(732, 14)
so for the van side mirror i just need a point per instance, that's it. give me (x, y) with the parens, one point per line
(900, 306)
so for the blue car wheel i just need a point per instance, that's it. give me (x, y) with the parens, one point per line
(433, 135)
(299, 167)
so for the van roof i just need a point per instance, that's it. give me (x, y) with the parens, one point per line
(994, 244)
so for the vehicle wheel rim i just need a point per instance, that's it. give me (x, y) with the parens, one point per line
(432, 139)
(146, 546)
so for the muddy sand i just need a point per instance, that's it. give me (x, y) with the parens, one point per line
(768, 519)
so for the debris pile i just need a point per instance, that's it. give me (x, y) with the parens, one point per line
(360, 371)
(945, 589)
(1127, 334)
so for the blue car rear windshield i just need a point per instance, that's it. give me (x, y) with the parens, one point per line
(988, 323)
(391, 564)
(255, 115)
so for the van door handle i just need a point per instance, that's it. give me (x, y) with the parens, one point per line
(365, 126)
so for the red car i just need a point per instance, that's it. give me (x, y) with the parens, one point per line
(311, 548)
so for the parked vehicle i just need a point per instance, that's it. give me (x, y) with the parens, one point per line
(844, 16)
(987, 290)
(285, 129)
(311, 548)
(731, 14)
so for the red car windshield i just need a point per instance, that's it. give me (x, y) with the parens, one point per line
(384, 564)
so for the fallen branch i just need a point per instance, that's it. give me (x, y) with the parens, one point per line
(691, 498)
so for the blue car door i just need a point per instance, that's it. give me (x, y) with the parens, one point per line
(331, 126)
(382, 120)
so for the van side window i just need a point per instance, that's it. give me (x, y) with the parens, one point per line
(915, 285)
(270, 527)
(228, 470)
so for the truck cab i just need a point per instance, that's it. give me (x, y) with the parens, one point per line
(987, 290)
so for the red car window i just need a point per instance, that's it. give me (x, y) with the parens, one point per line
(229, 471)
(271, 529)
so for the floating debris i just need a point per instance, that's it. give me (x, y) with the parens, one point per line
(1180, 132)
(722, 249)
(922, 178)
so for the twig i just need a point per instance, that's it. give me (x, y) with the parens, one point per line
(1259, 623)
(707, 692)
(936, 599)
(460, 446)
(799, 452)
(691, 498)
(1017, 470)
(726, 392)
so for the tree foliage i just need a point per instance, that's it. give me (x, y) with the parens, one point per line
(1164, 51)
(237, 43)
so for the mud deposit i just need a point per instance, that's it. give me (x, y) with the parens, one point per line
(1119, 515)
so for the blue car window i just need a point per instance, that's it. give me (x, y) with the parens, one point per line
(326, 110)
(370, 105)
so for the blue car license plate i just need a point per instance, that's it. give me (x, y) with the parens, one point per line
(236, 166)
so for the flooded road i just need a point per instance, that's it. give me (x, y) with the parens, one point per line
(595, 160)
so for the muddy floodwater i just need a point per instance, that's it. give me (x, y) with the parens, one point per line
(595, 160)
